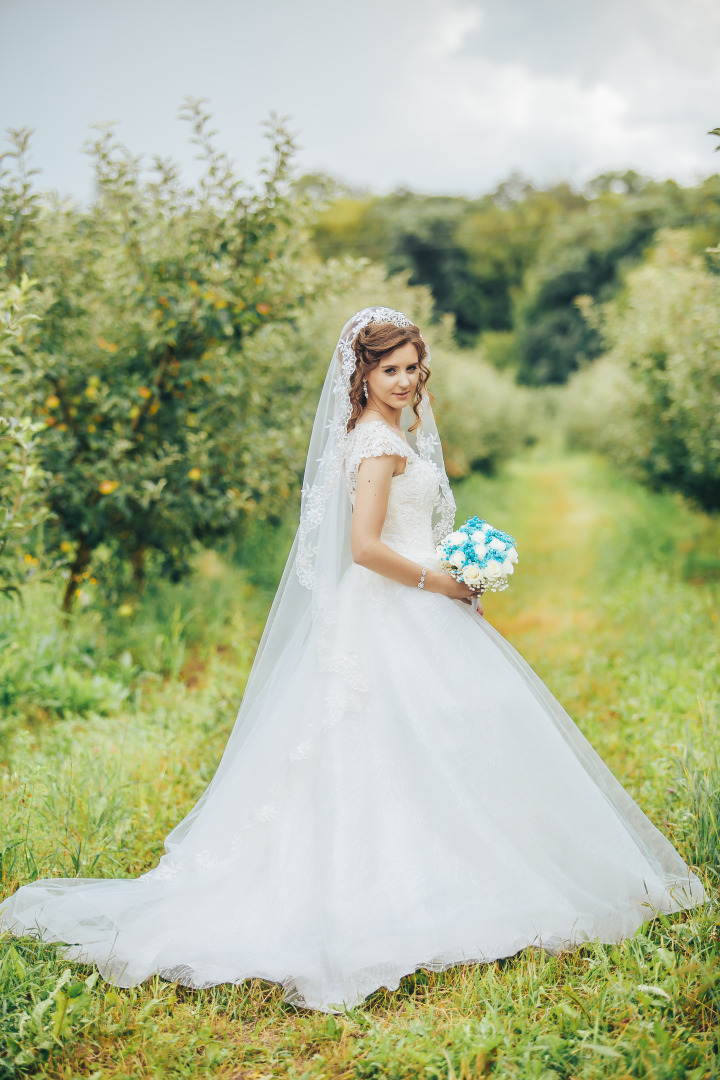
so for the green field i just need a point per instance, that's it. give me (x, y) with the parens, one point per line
(111, 731)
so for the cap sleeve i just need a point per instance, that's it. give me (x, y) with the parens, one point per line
(372, 439)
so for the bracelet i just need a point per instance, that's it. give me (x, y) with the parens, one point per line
(421, 582)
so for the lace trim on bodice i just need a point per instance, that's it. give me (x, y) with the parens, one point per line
(372, 438)
(414, 493)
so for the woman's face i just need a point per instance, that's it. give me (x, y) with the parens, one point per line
(393, 381)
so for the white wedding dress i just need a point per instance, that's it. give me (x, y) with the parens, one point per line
(436, 807)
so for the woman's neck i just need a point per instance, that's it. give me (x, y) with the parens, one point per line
(390, 416)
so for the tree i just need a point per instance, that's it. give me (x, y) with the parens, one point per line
(664, 334)
(586, 254)
(162, 366)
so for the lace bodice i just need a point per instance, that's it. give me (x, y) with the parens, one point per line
(408, 526)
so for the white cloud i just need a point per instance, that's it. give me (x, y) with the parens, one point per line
(478, 116)
(453, 29)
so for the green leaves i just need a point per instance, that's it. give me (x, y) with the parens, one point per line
(42, 1012)
(665, 332)
(652, 402)
(161, 369)
(23, 509)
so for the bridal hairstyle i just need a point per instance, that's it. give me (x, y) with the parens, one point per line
(374, 342)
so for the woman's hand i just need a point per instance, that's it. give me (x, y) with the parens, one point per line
(447, 585)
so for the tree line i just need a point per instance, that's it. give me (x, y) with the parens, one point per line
(508, 265)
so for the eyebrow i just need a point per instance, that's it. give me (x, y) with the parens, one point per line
(388, 366)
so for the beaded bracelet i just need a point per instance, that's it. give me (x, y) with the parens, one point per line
(421, 582)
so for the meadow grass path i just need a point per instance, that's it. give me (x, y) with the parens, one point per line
(603, 607)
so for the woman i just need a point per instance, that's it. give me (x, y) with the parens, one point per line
(399, 790)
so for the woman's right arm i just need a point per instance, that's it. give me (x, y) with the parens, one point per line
(371, 501)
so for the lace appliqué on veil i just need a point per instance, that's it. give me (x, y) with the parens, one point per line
(445, 507)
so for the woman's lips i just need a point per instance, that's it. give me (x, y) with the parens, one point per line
(403, 395)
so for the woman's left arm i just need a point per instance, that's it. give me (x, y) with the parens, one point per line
(371, 502)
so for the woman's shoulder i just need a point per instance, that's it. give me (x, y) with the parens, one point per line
(371, 439)
(375, 438)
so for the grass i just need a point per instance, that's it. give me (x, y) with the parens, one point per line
(615, 604)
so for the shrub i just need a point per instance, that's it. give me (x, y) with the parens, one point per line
(483, 415)
(653, 403)
(596, 408)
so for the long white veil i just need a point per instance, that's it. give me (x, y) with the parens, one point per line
(305, 607)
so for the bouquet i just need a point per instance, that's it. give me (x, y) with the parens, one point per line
(480, 555)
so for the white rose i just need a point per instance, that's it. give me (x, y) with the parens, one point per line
(457, 538)
(442, 555)
(508, 568)
(496, 545)
(512, 555)
(493, 570)
(478, 537)
(471, 575)
(480, 551)
(457, 559)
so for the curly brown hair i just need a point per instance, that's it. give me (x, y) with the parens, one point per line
(372, 345)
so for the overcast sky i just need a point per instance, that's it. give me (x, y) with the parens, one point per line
(434, 95)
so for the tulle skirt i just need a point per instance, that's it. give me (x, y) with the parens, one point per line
(414, 797)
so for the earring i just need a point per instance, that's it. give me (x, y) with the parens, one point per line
(365, 389)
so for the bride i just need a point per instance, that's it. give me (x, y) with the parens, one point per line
(399, 790)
